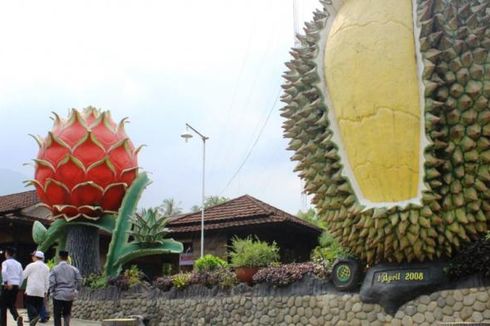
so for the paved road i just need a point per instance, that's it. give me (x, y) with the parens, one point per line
(74, 322)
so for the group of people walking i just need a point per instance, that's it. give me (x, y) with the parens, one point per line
(61, 283)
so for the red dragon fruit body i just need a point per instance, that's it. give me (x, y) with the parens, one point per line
(84, 165)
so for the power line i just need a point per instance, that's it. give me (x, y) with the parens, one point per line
(240, 73)
(254, 143)
(271, 40)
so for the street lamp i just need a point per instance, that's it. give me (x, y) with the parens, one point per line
(187, 135)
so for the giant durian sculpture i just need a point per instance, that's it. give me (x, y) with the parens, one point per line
(387, 111)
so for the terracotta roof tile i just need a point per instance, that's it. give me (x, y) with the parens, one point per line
(18, 201)
(241, 211)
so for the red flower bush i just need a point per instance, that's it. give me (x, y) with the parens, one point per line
(286, 274)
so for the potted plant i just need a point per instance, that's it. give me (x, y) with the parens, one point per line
(249, 254)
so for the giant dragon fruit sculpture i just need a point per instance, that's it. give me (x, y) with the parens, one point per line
(87, 175)
(85, 165)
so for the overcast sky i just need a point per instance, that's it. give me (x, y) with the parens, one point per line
(214, 64)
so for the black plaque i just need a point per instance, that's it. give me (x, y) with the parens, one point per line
(392, 285)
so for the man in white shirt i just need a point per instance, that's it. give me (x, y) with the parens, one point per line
(37, 275)
(11, 280)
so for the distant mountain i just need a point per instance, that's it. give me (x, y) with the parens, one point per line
(11, 182)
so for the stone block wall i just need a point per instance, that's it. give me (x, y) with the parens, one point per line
(466, 305)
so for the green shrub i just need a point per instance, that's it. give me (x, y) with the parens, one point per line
(328, 250)
(227, 279)
(222, 277)
(473, 259)
(181, 280)
(134, 275)
(95, 281)
(167, 269)
(51, 263)
(129, 278)
(209, 263)
(251, 252)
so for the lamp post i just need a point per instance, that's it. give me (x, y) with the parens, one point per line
(187, 135)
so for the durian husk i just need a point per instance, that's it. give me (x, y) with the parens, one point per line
(454, 43)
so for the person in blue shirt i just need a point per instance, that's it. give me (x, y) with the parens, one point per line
(11, 280)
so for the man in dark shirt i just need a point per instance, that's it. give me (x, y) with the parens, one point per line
(64, 283)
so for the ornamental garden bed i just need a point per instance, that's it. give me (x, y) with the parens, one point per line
(308, 285)
(290, 279)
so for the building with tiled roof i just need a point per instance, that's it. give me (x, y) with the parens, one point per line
(17, 214)
(13, 202)
(241, 217)
(244, 210)
(23, 206)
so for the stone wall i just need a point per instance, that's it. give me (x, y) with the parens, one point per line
(466, 305)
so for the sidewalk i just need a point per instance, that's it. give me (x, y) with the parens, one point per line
(74, 322)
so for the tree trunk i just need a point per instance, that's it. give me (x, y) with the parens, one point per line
(82, 243)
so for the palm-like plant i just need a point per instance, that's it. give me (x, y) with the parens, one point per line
(169, 208)
(149, 227)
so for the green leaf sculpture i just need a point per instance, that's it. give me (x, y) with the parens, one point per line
(120, 250)
(46, 238)
(134, 250)
(39, 232)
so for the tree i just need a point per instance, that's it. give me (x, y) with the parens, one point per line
(215, 200)
(209, 202)
(328, 250)
(195, 208)
(169, 208)
(312, 217)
